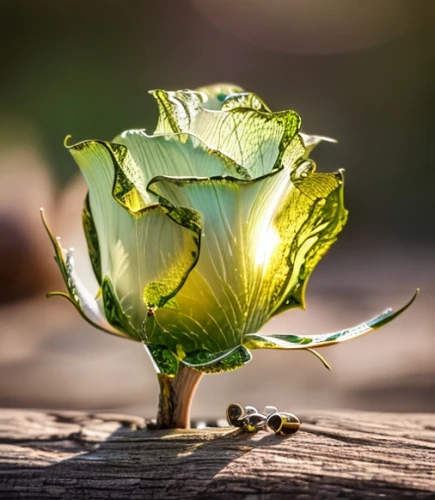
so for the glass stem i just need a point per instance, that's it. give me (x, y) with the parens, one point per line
(175, 400)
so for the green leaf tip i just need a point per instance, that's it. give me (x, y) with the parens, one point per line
(286, 341)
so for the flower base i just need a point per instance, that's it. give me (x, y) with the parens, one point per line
(175, 400)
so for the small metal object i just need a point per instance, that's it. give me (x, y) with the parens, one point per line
(253, 422)
(247, 419)
(235, 414)
(283, 424)
(250, 420)
(270, 409)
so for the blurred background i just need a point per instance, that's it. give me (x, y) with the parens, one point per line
(362, 72)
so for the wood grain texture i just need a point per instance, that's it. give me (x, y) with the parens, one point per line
(336, 455)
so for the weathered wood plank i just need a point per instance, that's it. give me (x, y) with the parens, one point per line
(76, 456)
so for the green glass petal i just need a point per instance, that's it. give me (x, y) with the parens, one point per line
(209, 312)
(230, 97)
(98, 164)
(205, 362)
(77, 294)
(177, 110)
(114, 311)
(135, 158)
(151, 257)
(284, 341)
(147, 253)
(129, 187)
(116, 171)
(176, 326)
(261, 240)
(318, 207)
(179, 154)
(245, 100)
(295, 154)
(173, 251)
(255, 139)
(91, 239)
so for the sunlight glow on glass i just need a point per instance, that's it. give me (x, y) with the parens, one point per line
(267, 242)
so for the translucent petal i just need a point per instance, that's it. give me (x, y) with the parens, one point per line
(145, 255)
(308, 222)
(150, 258)
(129, 164)
(245, 100)
(179, 154)
(261, 240)
(285, 341)
(255, 139)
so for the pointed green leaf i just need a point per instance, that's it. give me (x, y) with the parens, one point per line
(284, 341)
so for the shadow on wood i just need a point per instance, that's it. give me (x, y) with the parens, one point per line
(74, 455)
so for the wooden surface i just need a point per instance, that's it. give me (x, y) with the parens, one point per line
(340, 455)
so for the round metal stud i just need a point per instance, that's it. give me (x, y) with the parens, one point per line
(235, 414)
(283, 424)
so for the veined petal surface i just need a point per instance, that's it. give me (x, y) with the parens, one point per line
(260, 241)
(254, 138)
(178, 154)
(145, 255)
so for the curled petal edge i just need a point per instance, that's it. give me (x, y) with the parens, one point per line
(129, 181)
(260, 132)
(79, 297)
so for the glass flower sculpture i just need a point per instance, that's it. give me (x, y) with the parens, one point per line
(203, 231)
